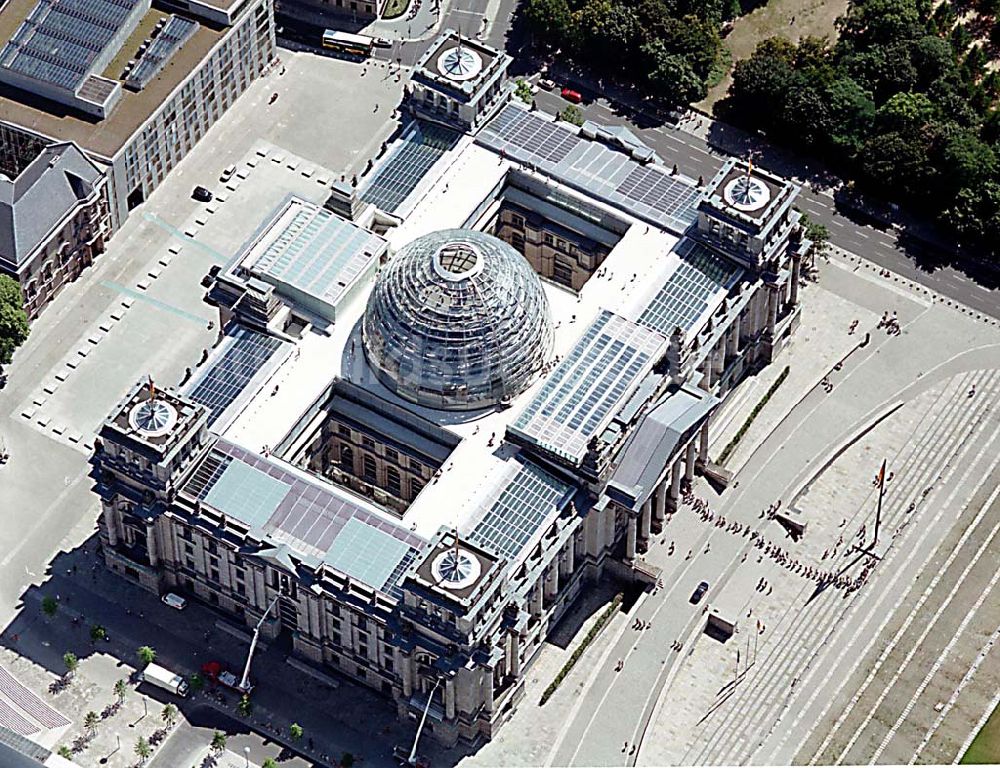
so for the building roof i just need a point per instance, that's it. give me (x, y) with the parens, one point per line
(580, 397)
(458, 320)
(34, 203)
(61, 41)
(652, 444)
(313, 254)
(103, 138)
(286, 506)
(624, 179)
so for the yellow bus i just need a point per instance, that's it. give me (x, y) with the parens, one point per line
(346, 42)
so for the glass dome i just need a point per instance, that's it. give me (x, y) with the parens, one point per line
(457, 320)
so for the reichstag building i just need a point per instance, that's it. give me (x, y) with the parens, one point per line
(453, 399)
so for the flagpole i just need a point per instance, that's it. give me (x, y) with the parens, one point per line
(878, 508)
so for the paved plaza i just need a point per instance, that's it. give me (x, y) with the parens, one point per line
(893, 670)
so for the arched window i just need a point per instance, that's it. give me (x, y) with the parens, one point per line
(347, 458)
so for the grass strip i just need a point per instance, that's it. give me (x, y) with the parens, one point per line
(728, 450)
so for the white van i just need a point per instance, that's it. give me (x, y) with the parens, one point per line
(162, 677)
(227, 173)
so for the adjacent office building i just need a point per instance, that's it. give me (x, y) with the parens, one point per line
(130, 85)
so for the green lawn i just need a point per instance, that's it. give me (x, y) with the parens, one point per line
(395, 8)
(985, 748)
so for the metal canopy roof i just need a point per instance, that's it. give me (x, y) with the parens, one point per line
(686, 294)
(580, 396)
(309, 517)
(647, 191)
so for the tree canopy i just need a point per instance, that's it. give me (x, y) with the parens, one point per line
(903, 103)
(13, 320)
(666, 46)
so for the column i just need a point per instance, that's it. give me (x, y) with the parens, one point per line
(110, 524)
(609, 526)
(552, 580)
(487, 685)
(646, 519)
(515, 654)
(405, 664)
(689, 462)
(793, 297)
(719, 356)
(661, 501)
(703, 447)
(536, 600)
(630, 538)
(709, 371)
(154, 559)
(571, 555)
(734, 340)
(675, 483)
(449, 698)
(772, 311)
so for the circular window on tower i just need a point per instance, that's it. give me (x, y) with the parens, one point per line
(456, 569)
(153, 418)
(460, 63)
(746, 193)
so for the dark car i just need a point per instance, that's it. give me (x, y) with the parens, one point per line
(201, 194)
(699, 593)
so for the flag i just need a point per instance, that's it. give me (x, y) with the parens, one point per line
(152, 389)
(881, 472)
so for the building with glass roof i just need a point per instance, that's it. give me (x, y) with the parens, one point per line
(476, 435)
(457, 320)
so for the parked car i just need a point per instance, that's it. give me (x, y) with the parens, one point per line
(227, 173)
(174, 601)
(548, 85)
(382, 42)
(699, 593)
(201, 194)
(572, 96)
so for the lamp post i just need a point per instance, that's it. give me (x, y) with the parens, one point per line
(246, 753)
(412, 759)
(253, 644)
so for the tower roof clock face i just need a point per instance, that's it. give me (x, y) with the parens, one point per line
(746, 193)
(153, 418)
(460, 63)
(456, 569)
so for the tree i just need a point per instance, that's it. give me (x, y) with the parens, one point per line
(244, 706)
(269, 762)
(817, 233)
(346, 760)
(523, 91)
(169, 715)
(13, 319)
(49, 606)
(98, 633)
(146, 654)
(71, 662)
(295, 731)
(143, 750)
(121, 688)
(65, 752)
(571, 114)
(218, 741)
(90, 721)
(551, 19)
(672, 77)
(196, 682)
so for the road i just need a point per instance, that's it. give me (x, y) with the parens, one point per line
(695, 157)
